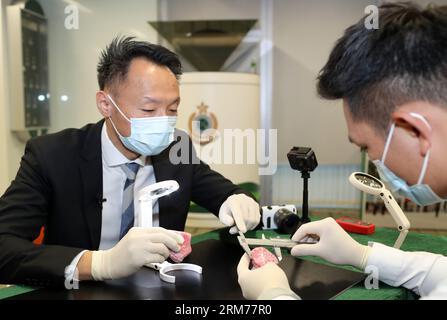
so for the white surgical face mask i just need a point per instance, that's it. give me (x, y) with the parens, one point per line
(419, 193)
(149, 136)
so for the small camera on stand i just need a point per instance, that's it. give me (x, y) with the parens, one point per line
(284, 218)
(303, 159)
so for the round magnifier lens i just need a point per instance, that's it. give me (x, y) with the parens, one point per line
(160, 191)
(369, 181)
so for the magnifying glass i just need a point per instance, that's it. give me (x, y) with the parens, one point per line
(374, 186)
(147, 197)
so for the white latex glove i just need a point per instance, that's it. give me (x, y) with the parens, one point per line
(139, 247)
(264, 283)
(241, 212)
(335, 245)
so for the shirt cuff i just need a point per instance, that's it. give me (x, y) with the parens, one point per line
(70, 270)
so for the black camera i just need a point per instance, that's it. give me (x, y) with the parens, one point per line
(283, 218)
(302, 159)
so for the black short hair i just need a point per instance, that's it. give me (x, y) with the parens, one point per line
(114, 62)
(376, 70)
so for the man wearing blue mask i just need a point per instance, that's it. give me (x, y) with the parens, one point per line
(80, 183)
(393, 83)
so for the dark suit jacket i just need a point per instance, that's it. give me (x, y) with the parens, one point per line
(59, 186)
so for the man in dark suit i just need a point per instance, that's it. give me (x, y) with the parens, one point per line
(80, 183)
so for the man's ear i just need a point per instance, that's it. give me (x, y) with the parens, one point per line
(417, 126)
(103, 104)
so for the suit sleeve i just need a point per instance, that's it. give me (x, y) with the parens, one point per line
(23, 211)
(209, 188)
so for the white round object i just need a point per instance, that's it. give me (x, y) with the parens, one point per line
(366, 183)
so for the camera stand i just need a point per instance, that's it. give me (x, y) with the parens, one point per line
(305, 208)
(303, 159)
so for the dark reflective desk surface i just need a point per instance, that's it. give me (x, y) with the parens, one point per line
(218, 281)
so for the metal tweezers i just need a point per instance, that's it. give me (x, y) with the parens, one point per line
(165, 267)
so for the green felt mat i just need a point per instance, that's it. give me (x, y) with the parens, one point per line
(11, 291)
(413, 242)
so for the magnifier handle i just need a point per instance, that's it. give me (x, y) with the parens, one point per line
(155, 266)
(395, 210)
(145, 214)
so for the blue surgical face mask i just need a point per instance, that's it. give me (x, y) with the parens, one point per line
(149, 136)
(419, 193)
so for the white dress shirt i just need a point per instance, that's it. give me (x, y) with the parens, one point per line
(114, 178)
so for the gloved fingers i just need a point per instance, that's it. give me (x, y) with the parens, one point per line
(243, 265)
(301, 250)
(158, 248)
(255, 215)
(245, 206)
(225, 214)
(276, 275)
(164, 239)
(234, 230)
(155, 258)
(316, 228)
(245, 213)
(271, 268)
(237, 211)
(173, 234)
(309, 238)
